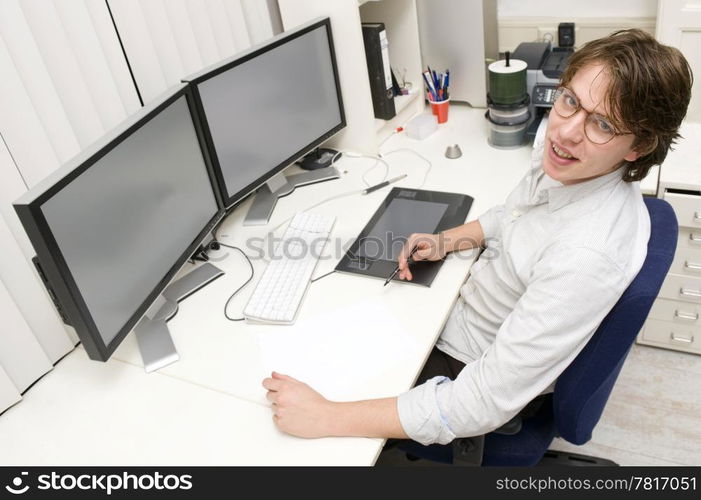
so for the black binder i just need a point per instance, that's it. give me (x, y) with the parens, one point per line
(379, 71)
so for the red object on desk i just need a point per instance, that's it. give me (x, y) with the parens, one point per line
(440, 109)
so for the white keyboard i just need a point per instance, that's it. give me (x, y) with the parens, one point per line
(279, 292)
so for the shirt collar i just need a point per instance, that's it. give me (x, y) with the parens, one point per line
(544, 189)
(562, 195)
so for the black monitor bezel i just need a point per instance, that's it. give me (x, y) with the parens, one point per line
(60, 282)
(230, 199)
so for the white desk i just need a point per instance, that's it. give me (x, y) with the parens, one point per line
(209, 408)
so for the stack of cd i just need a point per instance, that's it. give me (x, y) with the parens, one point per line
(508, 101)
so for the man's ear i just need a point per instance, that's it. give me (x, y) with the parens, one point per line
(632, 156)
(641, 150)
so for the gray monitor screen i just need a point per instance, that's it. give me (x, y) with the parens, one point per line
(124, 222)
(265, 111)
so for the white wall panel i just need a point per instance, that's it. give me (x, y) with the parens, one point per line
(237, 24)
(21, 356)
(184, 36)
(61, 61)
(203, 32)
(17, 272)
(257, 20)
(8, 392)
(24, 131)
(218, 22)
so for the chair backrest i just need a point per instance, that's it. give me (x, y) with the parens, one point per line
(583, 388)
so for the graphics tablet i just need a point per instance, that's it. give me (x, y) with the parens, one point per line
(403, 212)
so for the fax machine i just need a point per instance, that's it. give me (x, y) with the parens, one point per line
(545, 66)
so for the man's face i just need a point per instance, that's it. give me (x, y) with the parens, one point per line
(566, 137)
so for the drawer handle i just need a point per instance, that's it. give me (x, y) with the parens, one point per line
(686, 316)
(684, 340)
(690, 293)
(697, 217)
(694, 239)
(692, 266)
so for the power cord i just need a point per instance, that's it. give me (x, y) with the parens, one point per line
(354, 154)
(407, 150)
(213, 245)
(378, 160)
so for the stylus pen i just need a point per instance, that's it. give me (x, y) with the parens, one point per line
(383, 184)
(396, 269)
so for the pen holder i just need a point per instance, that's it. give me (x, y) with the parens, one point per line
(440, 109)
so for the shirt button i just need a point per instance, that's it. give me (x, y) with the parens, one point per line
(515, 213)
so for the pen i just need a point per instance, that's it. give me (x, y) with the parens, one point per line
(429, 82)
(383, 184)
(396, 269)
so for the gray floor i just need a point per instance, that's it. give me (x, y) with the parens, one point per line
(654, 414)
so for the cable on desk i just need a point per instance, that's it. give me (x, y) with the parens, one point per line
(377, 160)
(353, 154)
(407, 150)
(250, 264)
(395, 131)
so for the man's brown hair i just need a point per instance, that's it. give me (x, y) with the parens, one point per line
(649, 91)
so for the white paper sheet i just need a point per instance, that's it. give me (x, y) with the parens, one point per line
(341, 357)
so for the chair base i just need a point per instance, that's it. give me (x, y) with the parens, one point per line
(394, 456)
(560, 458)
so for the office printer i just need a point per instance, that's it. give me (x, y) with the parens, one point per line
(545, 65)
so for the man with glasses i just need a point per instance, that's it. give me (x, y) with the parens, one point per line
(564, 246)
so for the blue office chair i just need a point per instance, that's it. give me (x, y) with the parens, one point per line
(574, 408)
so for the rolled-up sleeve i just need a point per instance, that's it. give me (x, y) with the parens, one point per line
(421, 416)
(568, 294)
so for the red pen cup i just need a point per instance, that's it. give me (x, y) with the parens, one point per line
(440, 109)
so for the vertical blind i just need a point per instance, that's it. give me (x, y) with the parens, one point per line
(166, 40)
(72, 70)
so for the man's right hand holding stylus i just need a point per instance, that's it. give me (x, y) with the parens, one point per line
(428, 247)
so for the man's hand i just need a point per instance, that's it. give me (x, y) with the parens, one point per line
(297, 408)
(428, 247)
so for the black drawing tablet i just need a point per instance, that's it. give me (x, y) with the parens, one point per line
(403, 212)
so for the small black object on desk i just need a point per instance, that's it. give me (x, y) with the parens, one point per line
(319, 158)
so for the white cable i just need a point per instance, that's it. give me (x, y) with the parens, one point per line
(386, 139)
(377, 160)
(353, 154)
(430, 165)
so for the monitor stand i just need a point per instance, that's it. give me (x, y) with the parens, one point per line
(279, 186)
(155, 343)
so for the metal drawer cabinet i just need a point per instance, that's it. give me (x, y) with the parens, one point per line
(672, 335)
(674, 321)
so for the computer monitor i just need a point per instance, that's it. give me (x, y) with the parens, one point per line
(113, 226)
(265, 108)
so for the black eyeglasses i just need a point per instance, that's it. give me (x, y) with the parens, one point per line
(597, 128)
